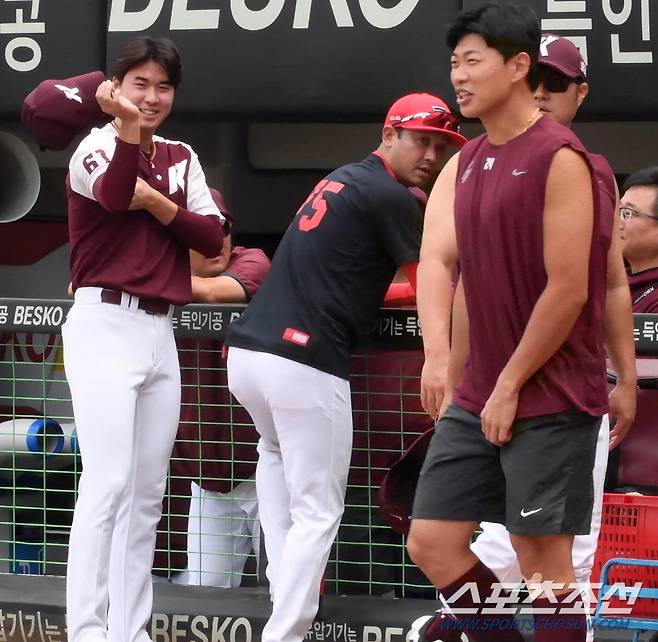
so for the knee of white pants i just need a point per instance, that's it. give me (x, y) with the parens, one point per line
(317, 525)
(154, 492)
(105, 489)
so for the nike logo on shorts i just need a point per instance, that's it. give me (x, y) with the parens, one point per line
(527, 513)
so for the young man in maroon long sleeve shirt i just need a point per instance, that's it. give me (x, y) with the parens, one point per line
(137, 204)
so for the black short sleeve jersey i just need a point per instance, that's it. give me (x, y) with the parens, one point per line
(332, 268)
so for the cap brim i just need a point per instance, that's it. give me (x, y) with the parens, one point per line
(453, 137)
(563, 70)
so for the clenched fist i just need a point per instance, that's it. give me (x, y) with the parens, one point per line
(113, 103)
(143, 196)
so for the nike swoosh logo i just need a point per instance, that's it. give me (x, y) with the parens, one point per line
(526, 513)
(516, 172)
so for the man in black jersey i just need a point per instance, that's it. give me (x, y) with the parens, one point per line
(289, 354)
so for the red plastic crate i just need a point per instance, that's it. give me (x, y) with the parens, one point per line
(629, 528)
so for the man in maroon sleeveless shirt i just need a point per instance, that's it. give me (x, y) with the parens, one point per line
(562, 89)
(137, 204)
(516, 210)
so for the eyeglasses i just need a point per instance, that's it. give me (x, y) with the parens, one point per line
(554, 82)
(626, 213)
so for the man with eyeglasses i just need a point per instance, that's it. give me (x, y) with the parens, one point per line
(639, 233)
(561, 91)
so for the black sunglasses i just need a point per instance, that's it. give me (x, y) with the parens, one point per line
(554, 82)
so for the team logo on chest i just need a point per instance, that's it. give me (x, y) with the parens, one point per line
(489, 163)
(177, 176)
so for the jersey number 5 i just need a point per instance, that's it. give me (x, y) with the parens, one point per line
(317, 204)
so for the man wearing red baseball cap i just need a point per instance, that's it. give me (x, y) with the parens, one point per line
(424, 113)
(289, 356)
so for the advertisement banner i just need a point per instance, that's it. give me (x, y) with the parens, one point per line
(314, 60)
(305, 59)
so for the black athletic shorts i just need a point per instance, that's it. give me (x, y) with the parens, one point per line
(540, 483)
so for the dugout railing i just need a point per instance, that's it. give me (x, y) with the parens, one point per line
(215, 449)
(40, 464)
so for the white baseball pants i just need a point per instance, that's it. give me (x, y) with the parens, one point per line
(494, 549)
(222, 530)
(304, 418)
(122, 368)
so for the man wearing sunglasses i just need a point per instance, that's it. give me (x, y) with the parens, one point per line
(639, 233)
(561, 91)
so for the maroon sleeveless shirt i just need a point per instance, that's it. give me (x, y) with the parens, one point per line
(499, 205)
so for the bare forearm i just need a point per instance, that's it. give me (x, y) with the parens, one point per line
(619, 341)
(434, 301)
(549, 325)
(219, 289)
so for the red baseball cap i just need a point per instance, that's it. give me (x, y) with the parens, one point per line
(57, 111)
(425, 113)
(561, 54)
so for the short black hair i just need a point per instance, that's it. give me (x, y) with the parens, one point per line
(508, 28)
(647, 177)
(141, 50)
